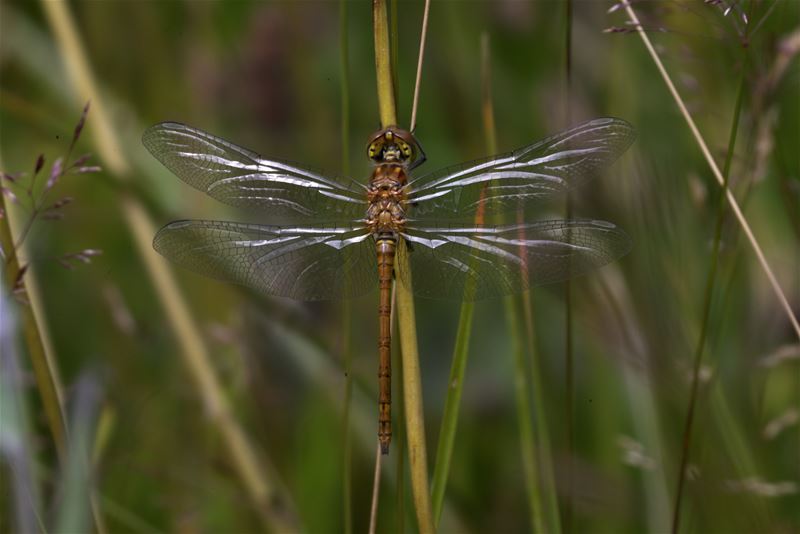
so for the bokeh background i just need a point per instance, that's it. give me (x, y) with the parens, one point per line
(269, 76)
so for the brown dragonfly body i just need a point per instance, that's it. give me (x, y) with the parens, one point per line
(336, 238)
(393, 150)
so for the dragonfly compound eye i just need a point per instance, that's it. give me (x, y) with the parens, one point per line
(373, 150)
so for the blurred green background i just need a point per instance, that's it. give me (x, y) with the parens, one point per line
(268, 76)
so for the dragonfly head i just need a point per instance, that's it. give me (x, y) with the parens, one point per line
(394, 145)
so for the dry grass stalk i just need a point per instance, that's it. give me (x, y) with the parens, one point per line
(715, 171)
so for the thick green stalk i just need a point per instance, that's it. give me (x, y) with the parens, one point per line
(707, 299)
(412, 382)
(383, 64)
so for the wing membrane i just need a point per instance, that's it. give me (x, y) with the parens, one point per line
(240, 177)
(305, 263)
(521, 178)
(450, 262)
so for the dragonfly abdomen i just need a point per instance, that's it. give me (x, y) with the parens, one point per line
(385, 248)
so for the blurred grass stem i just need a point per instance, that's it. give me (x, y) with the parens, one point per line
(270, 503)
(43, 364)
(707, 299)
(376, 490)
(779, 293)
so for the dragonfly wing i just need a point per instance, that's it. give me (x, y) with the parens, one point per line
(474, 263)
(521, 178)
(240, 177)
(305, 263)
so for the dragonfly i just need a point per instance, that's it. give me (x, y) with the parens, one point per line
(321, 237)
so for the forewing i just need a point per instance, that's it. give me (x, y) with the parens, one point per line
(240, 177)
(524, 177)
(449, 262)
(301, 263)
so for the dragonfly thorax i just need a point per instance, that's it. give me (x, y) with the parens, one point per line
(386, 196)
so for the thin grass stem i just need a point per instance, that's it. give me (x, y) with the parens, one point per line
(273, 505)
(447, 431)
(417, 83)
(376, 490)
(548, 493)
(762, 260)
(45, 371)
(707, 300)
(528, 448)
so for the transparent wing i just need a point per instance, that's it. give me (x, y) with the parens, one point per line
(301, 263)
(239, 177)
(523, 177)
(502, 260)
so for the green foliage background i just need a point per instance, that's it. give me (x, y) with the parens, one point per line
(266, 75)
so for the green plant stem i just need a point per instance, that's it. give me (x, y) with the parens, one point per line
(447, 432)
(412, 382)
(707, 300)
(415, 427)
(399, 431)
(524, 419)
(44, 368)
(383, 64)
(547, 491)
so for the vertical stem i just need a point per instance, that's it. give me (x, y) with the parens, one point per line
(707, 299)
(45, 373)
(399, 428)
(383, 64)
(524, 418)
(376, 488)
(412, 383)
(447, 432)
